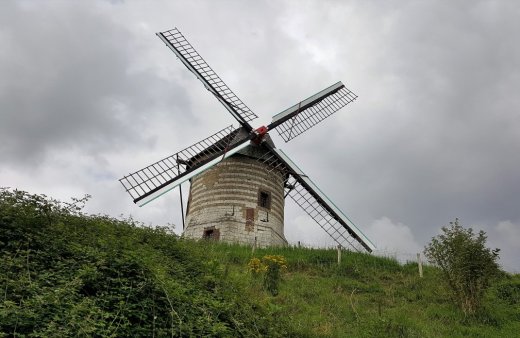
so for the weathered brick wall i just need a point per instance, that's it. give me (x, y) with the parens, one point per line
(220, 197)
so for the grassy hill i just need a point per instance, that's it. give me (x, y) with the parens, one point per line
(63, 273)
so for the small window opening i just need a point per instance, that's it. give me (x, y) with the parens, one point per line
(208, 234)
(211, 234)
(264, 199)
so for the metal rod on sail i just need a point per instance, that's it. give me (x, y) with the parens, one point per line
(180, 193)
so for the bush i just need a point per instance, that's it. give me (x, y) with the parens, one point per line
(64, 273)
(509, 291)
(467, 265)
(270, 266)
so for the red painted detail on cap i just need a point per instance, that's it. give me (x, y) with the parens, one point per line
(260, 132)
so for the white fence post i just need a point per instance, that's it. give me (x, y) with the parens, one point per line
(339, 254)
(419, 263)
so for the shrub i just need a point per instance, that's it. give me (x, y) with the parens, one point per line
(270, 266)
(509, 291)
(256, 267)
(64, 273)
(467, 265)
(272, 278)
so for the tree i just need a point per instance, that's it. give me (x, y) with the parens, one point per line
(467, 264)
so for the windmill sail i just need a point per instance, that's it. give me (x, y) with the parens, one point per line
(317, 205)
(311, 111)
(162, 176)
(196, 64)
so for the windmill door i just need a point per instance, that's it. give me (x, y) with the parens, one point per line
(250, 219)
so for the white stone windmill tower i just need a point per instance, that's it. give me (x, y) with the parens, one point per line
(239, 180)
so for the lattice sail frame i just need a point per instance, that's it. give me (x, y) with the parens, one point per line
(300, 188)
(311, 111)
(301, 196)
(196, 64)
(152, 178)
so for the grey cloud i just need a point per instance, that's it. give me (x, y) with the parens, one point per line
(442, 140)
(67, 83)
(433, 135)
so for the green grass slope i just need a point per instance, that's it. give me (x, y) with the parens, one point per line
(63, 273)
(368, 296)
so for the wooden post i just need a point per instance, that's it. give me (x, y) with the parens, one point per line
(339, 254)
(254, 246)
(420, 264)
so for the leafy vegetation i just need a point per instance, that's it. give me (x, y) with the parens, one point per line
(64, 273)
(69, 274)
(271, 267)
(370, 296)
(466, 263)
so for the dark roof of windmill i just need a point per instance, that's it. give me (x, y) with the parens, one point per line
(238, 135)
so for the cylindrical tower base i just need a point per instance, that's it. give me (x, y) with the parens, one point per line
(240, 200)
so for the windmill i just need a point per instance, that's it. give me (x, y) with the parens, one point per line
(239, 179)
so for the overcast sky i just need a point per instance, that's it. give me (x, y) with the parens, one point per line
(88, 94)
